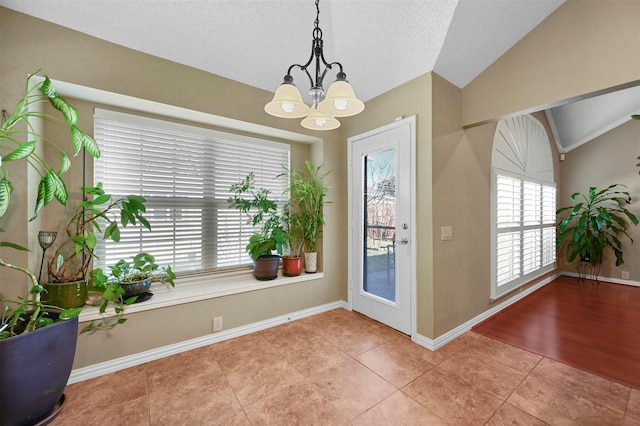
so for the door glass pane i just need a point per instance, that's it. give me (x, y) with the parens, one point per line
(380, 224)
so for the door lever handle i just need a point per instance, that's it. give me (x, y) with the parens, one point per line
(404, 241)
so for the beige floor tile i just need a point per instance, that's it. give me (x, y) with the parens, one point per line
(181, 367)
(260, 376)
(508, 355)
(633, 407)
(483, 372)
(443, 353)
(234, 352)
(299, 404)
(305, 350)
(110, 389)
(582, 384)
(133, 412)
(351, 388)
(203, 399)
(508, 415)
(398, 410)
(558, 406)
(453, 399)
(394, 365)
(347, 330)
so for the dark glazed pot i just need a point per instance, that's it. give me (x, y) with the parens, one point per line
(266, 267)
(66, 295)
(34, 370)
(136, 288)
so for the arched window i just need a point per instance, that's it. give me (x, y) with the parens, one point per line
(523, 204)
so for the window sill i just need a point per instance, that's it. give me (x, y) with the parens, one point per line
(193, 289)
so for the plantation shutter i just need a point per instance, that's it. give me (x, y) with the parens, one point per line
(525, 227)
(185, 173)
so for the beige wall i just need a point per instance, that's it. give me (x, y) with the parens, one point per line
(582, 47)
(461, 199)
(608, 159)
(80, 59)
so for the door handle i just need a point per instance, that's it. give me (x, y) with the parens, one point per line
(404, 241)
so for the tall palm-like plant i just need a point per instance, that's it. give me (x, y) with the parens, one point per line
(595, 223)
(308, 193)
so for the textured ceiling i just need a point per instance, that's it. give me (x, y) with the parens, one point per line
(381, 43)
(577, 123)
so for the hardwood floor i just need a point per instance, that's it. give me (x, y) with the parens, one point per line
(594, 327)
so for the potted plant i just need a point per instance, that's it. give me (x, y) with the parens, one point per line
(261, 212)
(127, 282)
(37, 342)
(308, 192)
(595, 223)
(67, 286)
(292, 259)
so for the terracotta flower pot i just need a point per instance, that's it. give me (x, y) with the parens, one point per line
(291, 266)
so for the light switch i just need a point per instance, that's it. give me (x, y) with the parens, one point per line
(447, 233)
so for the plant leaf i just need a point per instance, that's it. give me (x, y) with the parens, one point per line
(13, 246)
(5, 195)
(65, 164)
(81, 139)
(25, 150)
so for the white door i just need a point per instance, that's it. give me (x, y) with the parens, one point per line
(381, 224)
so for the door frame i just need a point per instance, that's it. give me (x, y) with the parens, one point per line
(411, 122)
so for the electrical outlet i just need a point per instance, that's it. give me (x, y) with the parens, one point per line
(217, 324)
(625, 275)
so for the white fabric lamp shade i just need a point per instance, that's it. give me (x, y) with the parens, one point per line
(341, 100)
(287, 103)
(319, 121)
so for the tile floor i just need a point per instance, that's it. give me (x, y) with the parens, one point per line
(341, 368)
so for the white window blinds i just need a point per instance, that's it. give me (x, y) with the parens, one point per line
(525, 228)
(185, 173)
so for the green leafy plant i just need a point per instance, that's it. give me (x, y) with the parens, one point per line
(12, 148)
(143, 266)
(21, 142)
(97, 210)
(595, 223)
(263, 212)
(308, 193)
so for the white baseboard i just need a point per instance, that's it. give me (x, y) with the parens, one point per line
(450, 335)
(607, 279)
(95, 370)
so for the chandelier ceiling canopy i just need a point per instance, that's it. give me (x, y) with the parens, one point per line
(339, 101)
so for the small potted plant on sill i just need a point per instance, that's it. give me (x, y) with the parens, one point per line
(594, 224)
(127, 282)
(292, 259)
(263, 212)
(308, 192)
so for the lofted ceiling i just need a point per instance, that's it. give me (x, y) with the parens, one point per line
(381, 43)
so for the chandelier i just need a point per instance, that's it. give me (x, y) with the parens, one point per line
(340, 100)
